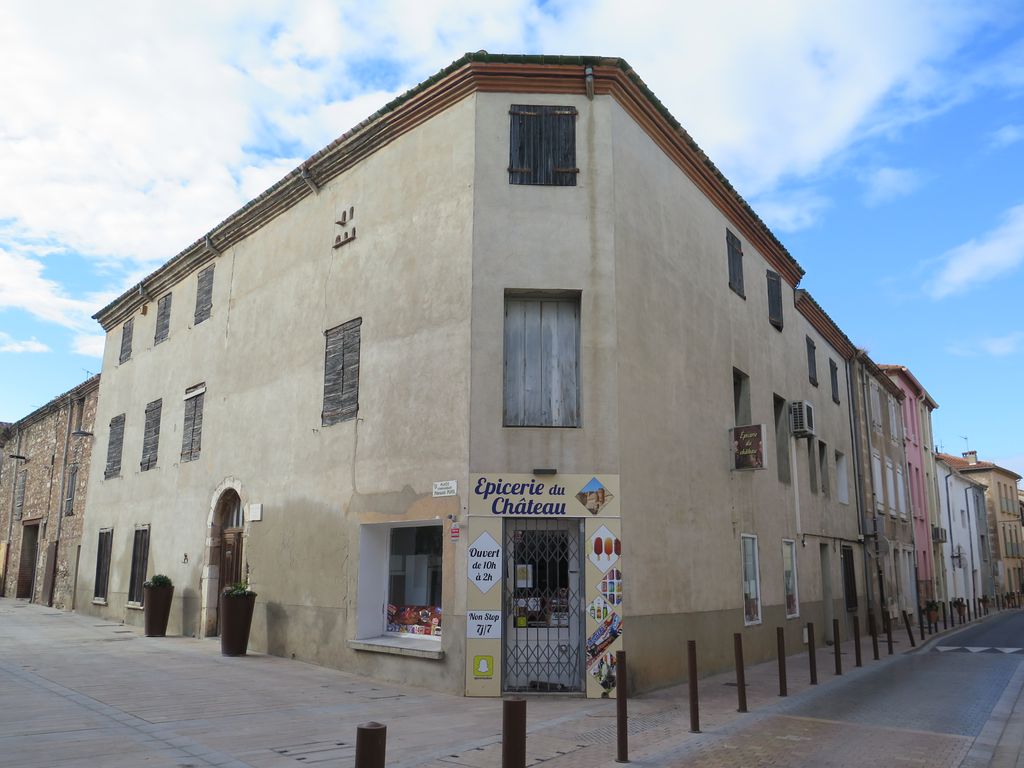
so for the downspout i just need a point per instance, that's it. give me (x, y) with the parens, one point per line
(874, 507)
(858, 474)
(949, 522)
(970, 536)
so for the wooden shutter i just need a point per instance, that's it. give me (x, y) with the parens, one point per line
(103, 564)
(833, 371)
(542, 145)
(126, 340)
(114, 444)
(192, 431)
(19, 494)
(204, 295)
(812, 363)
(775, 299)
(69, 490)
(735, 252)
(341, 372)
(151, 435)
(542, 362)
(163, 319)
(140, 561)
(849, 579)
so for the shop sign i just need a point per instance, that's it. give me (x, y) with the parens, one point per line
(484, 562)
(455, 531)
(483, 625)
(748, 447)
(520, 497)
(446, 488)
(483, 667)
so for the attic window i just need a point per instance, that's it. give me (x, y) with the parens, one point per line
(126, 340)
(542, 145)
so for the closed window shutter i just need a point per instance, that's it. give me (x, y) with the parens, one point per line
(341, 372)
(542, 362)
(735, 253)
(812, 363)
(69, 490)
(204, 295)
(833, 371)
(192, 431)
(114, 445)
(103, 549)
(140, 562)
(151, 435)
(775, 299)
(126, 340)
(542, 145)
(163, 319)
(19, 494)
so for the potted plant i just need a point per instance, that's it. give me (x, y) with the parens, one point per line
(236, 604)
(156, 604)
(960, 606)
(931, 609)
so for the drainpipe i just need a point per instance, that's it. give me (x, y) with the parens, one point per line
(858, 474)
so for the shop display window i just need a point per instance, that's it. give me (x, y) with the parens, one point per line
(414, 581)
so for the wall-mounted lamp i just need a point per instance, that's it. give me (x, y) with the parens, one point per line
(81, 433)
(545, 471)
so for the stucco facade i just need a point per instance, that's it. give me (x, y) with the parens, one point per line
(966, 556)
(625, 524)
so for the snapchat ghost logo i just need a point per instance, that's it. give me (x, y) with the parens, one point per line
(483, 667)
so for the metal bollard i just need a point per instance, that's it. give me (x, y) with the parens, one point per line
(780, 641)
(811, 658)
(944, 625)
(873, 631)
(910, 631)
(621, 694)
(856, 640)
(741, 680)
(513, 732)
(920, 621)
(888, 631)
(371, 745)
(691, 664)
(836, 646)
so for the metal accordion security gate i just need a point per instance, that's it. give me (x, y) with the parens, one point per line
(543, 605)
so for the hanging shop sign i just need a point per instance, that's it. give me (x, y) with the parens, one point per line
(748, 447)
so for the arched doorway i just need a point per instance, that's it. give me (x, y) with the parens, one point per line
(225, 561)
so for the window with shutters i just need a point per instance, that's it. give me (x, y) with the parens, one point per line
(849, 579)
(842, 478)
(204, 295)
(151, 435)
(140, 561)
(126, 340)
(69, 490)
(890, 486)
(876, 407)
(751, 580)
(192, 430)
(789, 578)
(781, 438)
(894, 419)
(103, 548)
(833, 373)
(812, 362)
(542, 372)
(823, 473)
(341, 373)
(735, 252)
(114, 445)
(812, 466)
(740, 398)
(876, 481)
(542, 145)
(775, 299)
(163, 319)
(19, 494)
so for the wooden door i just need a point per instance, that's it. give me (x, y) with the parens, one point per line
(27, 565)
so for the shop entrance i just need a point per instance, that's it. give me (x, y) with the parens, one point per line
(543, 605)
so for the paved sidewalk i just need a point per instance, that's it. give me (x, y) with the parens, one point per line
(75, 690)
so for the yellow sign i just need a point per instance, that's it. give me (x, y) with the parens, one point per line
(483, 667)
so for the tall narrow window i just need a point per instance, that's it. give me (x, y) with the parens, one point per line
(781, 438)
(901, 493)
(204, 295)
(151, 435)
(849, 579)
(140, 561)
(114, 444)
(823, 468)
(833, 373)
(735, 251)
(542, 347)
(163, 319)
(876, 407)
(542, 145)
(71, 482)
(842, 479)
(341, 373)
(751, 581)
(103, 548)
(789, 578)
(812, 465)
(19, 494)
(876, 481)
(775, 299)
(812, 363)
(890, 486)
(126, 340)
(894, 419)
(192, 430)
(741, 398)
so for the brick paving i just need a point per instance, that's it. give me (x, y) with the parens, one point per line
(75, 691)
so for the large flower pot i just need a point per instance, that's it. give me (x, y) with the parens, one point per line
(235, 621)
(156, 606)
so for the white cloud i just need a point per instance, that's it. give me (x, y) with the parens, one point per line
(1007, 135)
(24, 287)
(885, 184)
(982, 259)
(88, 344)
(1000, 346)
(8, 344)
(791, 212)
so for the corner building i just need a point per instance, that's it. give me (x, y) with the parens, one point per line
(496, 384)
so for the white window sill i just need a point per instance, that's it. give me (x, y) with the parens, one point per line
(418, 647)
(99, 601)
(134, 606)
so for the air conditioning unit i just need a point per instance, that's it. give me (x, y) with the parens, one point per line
(801, 418)
(938, 535)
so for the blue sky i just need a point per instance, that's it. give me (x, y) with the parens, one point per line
(882, 141)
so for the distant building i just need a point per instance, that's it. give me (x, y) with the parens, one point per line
(44, 471)
(963, 534)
